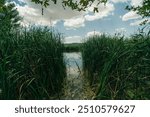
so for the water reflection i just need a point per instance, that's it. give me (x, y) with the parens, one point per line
(76, 86)
(73, 63)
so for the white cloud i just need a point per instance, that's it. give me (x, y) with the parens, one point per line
(117, 1)
(73, 39)
(74, 22)
(104, 11)
(136, 2)
(135, 23)
(130, 15)
(132, 2)
(33, 16)
(92, 33)
(138, 22)
(32, 13)
(120, 30)
(21, 1)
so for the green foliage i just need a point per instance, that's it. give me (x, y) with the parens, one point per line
(2, 2)
(118, 67)
(73, 47)
(9, 16)
(31, 64)
(143, 10)
(80, 5)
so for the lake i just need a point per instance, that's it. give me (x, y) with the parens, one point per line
(73, 63)
(76, 86)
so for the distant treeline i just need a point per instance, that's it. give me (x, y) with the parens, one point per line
(73, 47)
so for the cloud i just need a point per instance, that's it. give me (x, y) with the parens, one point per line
(120, 30)
(104, 11)
(130, 15)
(33, 16)
(132, 2)
(136, 2)
(73, 39)
(79, 39)
(32, 13)
(79, 21)
(21, 2)
(138, 22)
(117, 1)
(92, 33)
(74, 22)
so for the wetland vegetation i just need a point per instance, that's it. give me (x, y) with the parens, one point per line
(36, 64)
(118, 67)
(31, 64)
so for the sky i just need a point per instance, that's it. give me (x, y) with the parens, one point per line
(76, 26)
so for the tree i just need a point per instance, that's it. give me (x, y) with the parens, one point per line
(143, 10)
(79, 5)
(9, 16)
(2, 2)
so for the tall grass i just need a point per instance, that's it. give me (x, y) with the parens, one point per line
(118, 67)
(31, 64)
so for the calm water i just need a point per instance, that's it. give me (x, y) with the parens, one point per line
(74, 82)
(73, 62)
(76, 86)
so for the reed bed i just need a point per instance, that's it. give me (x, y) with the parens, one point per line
(118, 68)
(31, 64)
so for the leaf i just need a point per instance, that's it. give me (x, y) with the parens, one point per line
(95, 9)
(55, 1)
(37, 1)
(46, 4)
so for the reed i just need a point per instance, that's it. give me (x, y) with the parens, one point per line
(31, 64)
(118, 67)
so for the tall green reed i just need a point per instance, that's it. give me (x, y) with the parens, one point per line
(31, 66)
(118, 67)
